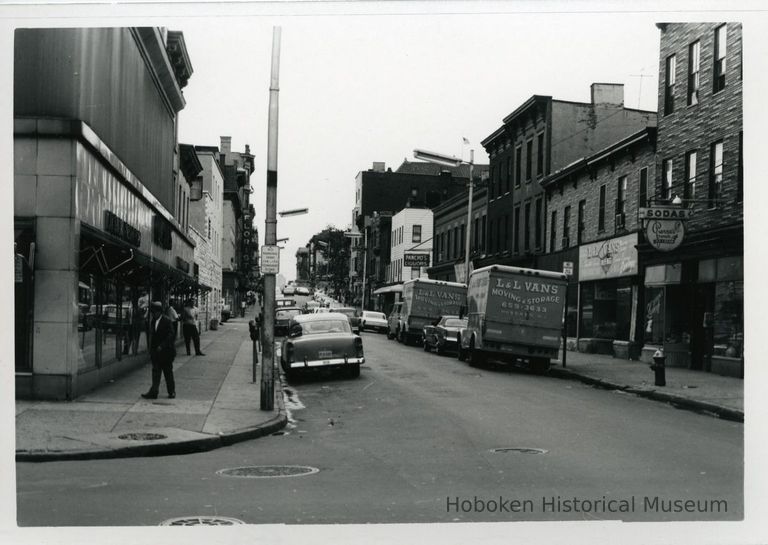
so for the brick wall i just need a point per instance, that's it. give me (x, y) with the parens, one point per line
(717, 116)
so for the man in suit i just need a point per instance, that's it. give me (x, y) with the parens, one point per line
(161, 350)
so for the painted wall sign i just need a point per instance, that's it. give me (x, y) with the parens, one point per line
(121, 229)
(610, 258)
(666, 234)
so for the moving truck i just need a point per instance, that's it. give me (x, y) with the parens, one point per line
(515, 315)
(424, 301)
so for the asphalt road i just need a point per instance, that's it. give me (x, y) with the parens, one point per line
(412, 440)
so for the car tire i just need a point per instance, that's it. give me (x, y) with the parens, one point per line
(426, 345)
(354, 370)
(291, 375)
(399, 335)
(439, 349)
(389, 335)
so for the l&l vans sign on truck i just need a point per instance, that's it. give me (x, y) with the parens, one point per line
(514, 314)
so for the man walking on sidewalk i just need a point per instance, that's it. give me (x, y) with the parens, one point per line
(189, 326)
(162, 352)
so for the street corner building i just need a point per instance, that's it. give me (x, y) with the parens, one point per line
(101, 200)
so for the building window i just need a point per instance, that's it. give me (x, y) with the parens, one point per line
(566, 227)
(690, 175)
(669, 86)
(456, 243)
(601, 210)
(694, 59)
(416, 233)
(537, 229)
(492, 184)
(448, 252)
(509, 174)
(528, 160)
(642, 199)
(716, 173)
(667, 173)
(507, 228)
(718, 79)
(740, 173)
(462, 239)
(540, 156)
(553, 231)
(209, 228)
(516, 234)
(492, 244)
(580, 219)
(518, 161)
(621, 199)
(527, 234)
(482, 234)
(499, 241)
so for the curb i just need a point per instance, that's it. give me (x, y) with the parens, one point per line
(171, 448)
(679, 402)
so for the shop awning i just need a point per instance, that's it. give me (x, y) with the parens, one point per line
(395, 288)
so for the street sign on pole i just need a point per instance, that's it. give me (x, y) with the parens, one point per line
(270, 259)
(568, 268)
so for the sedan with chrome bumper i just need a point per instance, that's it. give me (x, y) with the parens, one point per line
(322, 340)
(442, 334)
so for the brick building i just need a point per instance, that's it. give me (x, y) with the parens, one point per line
(694, 292)
(450, 235)
(542, 136)
(592, 222)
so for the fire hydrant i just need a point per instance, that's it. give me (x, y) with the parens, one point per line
(658, 366)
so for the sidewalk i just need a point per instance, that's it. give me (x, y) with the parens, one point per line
(217, 404)
(695, 390)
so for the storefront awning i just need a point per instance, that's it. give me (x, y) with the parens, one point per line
(395, 288)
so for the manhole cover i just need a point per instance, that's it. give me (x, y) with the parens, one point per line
(142, 436)
(201, 521)
(263, 472)
(520, 450)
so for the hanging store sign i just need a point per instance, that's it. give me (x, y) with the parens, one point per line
(121, 229)
(664, 213)
(416, 260)
(664, 234)
(610, 258)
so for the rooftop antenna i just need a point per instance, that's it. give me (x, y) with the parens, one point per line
(640, 90)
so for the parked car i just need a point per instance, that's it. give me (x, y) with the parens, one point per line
(321, 341)
(373, 321)
(289, 290)
(393, 322)
(283, 318)
(442, 334)
(353, 315)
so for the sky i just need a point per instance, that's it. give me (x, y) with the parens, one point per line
(370, 81)
(359, 89)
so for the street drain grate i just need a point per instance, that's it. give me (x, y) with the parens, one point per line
(142, 436)
(520, 450)
(265, 472)
(201, 521)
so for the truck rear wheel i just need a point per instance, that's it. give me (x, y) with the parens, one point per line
(474, 357)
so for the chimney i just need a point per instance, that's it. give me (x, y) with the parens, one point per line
(607, 93)
(226, 145)
(378, 166)
(247, 149)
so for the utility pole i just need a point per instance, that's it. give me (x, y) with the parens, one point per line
(267, 400)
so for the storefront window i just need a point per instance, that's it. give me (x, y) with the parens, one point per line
(86, 323)
(606, 309)
(654, 316)
(729, 319)
(572, 313)
(677, 315)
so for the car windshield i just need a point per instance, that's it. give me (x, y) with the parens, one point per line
(375, 315)
(455, 322)
(287, 313)
(314, 327)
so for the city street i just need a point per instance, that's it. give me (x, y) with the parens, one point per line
(412, 440)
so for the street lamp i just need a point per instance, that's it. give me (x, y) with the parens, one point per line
(294, 212)
(286, 239)
(451, 161)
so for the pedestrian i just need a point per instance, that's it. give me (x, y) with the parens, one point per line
(162, 351)
(242, 309)
(189, 326)
(173, 316)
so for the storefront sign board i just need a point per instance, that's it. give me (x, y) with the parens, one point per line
(612, 258)
(664, 234)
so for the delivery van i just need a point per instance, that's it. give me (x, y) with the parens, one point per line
(424, 301)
